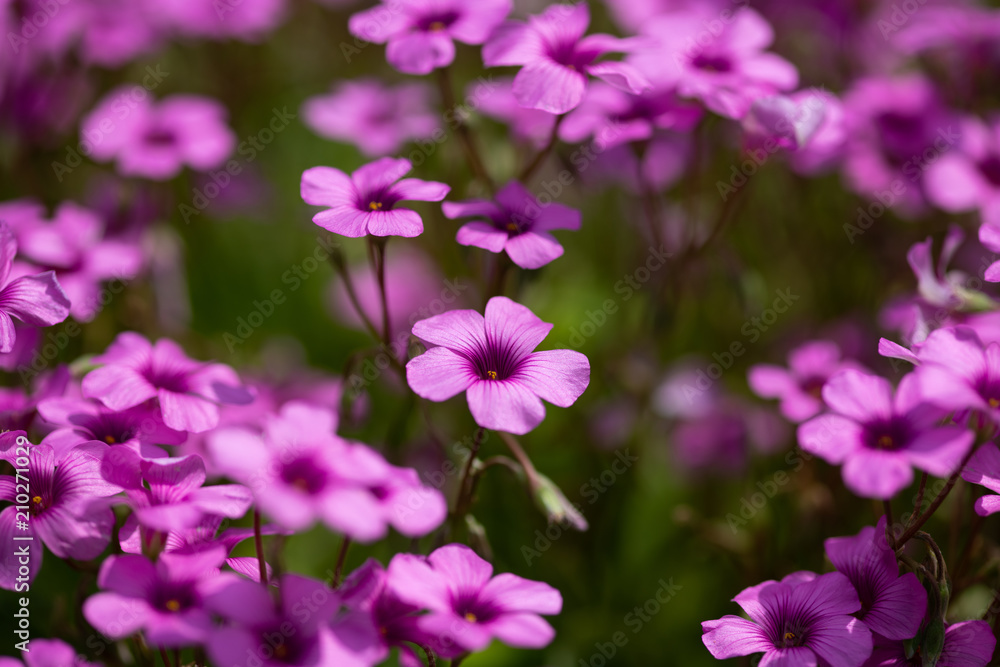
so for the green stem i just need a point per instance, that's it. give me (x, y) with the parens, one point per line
(539, 158)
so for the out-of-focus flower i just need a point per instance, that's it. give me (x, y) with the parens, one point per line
(419, 33)
(800, 386)
(296, 630)
(803, 619)
(727, 71)
(378, 119)
(878, 437)
(156, 140)
(365, 202)
(959, 372)
(557, 58)
(248, 20)
(49, 653)
(79, 420)
(892, 605)
(300, 472)
(37, 300)
(984, 469)
(967, 176)
(74, 245)
(514, 222)
(188, 392)
(895, 127)
(492, 360)
(496, 99)
(468, 607)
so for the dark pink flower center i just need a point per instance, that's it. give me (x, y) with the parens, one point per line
(496, 360)
(568, 55)
(708, 62)
(171, 380)
(160, 137)
(379, 200)
(437, 21)
(989, 167)
(173, 598)
(304, 475)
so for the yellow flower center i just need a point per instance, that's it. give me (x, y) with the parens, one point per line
(437, 26)
(470, 617)
(375, 205)
(511, 227)
(37, 500)
(885, 442)
(301, 484)
(994, 403)
(492, 374)
(789, 635)
(110, 439)
(173, 605)
(280, 652)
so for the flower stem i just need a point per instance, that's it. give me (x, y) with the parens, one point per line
(462, 129)
(258, 543)
(887, 507)
(922, 519)
(522, 458)
(376, 247)
(166, 658)
(539, 158)
(338, 263)
(341, 559)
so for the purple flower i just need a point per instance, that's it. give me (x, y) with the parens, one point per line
(365, 202)
(492, 359)
(67, 511)
(966, 644)
(156, 141)
(989, 236)
(375, 118)
(728, 72)
(299, 630)
(802, 620)
(799, 386)
(165, 600)
(73, 244)
(299, 471)
(984, 469)
(891, 122)
(79, 420)
(892, 606)
(785, 121)
(366, 591)
(967, 176)
(34, 299)
(611, 116)
(496, 100)
(557, 58)
(168, 495)
(188, 392)
(515, 222)
(958, 372)
(248, 20)
(468, 607)
(420, 32)
(879, 437)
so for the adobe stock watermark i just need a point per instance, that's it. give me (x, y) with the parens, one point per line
(293, 277)
(752, 504)
(912, 169)
(125, 103)
(752, 330)
(591, 491)
(627, 287)
(249, 149)
(899, 15)
(740, 173)
(34, 23)
(400, 347)
(635, 621)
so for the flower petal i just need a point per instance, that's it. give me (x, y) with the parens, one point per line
(482, 235)
(732, 636)
(505, 406)
(533, 250)
(557, 376)
(37, 300)
(438, 374)
(549, 86)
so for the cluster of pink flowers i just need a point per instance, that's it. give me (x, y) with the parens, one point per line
(140, 456)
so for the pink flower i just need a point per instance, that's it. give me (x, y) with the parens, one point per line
(365, 202)
(419, 33)
(188, 392)
(156, 140)
(492, 359)
(34, 299)
(557, 58)
(468, 606)
(377, 119)
(515, 222)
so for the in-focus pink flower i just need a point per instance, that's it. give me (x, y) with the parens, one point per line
(365, 202)
(492, 360)
(468, 606)
(37, 300)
